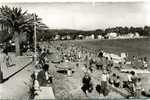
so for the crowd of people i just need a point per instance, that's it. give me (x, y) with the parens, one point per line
(92, 60)
(142, 61)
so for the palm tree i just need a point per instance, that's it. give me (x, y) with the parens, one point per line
(17, 20)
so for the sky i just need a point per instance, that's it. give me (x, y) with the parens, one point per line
(88, 15)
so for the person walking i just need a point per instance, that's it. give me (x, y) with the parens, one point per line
(7, 60)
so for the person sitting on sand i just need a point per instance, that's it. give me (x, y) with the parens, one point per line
(87, 84)
(112, 79)
(117, 82)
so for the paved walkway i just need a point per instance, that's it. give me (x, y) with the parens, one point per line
(18, 63)
(15, 87)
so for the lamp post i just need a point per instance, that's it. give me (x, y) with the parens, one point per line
(35, 41)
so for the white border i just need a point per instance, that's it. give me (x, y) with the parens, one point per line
(14, 1)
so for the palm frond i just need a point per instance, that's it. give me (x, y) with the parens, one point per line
(17, 19)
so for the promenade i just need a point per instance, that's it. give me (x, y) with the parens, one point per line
(16, 78)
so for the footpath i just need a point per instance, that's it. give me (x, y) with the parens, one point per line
(15, 78)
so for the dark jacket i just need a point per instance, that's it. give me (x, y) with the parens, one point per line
(42, 78)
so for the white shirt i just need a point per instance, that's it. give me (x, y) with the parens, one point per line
(104, 77)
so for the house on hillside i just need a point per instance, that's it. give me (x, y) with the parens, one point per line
(125, 36)
(80, 36)
(130, 35)
(63, 37)
(57, 37)
(111, 35)
(68, 37)
(100, 37)
(136, 35)
(89, 37)
(92, 36)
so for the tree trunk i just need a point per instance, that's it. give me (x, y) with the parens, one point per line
(17, 44)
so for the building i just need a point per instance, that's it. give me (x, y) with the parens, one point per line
(100, 37)
(111, 35)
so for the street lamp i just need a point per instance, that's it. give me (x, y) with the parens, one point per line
(35, 41)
